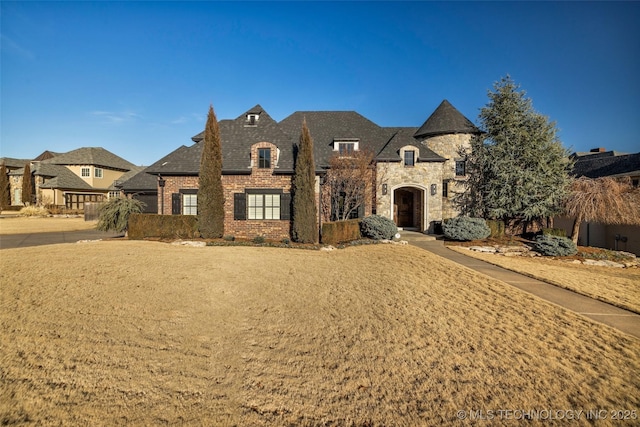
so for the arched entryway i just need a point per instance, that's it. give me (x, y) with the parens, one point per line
(408, 208)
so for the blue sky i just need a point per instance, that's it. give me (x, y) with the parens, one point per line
(137, 78)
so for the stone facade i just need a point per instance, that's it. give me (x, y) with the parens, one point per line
(417, 181)
(451, 147)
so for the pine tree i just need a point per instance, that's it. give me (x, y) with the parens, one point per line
(210, 194)
(304, 225)
(27, 185)
(524, 170)
(5, 195)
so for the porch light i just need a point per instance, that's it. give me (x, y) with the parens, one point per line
(384, 189)
(434, 189)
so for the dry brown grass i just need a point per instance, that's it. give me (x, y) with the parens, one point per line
(146, 333)
(617, 286)
(21, 225)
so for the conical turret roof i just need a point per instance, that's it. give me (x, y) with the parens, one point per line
(446, 120)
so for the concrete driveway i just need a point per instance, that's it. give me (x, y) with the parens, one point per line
(10, 241)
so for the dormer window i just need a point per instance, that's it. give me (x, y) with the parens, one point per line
(409, 158)
(345, 146)
(252, 119)
(264, 158)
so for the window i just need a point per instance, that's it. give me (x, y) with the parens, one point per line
(409, 158)
(263, 206)
(346, 148)
(97, 173)
(85, 172)
(264, 158)
(252, 119)
(461, 168)
(635, 182)
(445, 188)
(189, 204)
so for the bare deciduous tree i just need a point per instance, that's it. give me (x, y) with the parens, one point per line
(606, 200)
(351, 181)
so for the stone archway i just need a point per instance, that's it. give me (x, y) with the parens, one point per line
(408, 208)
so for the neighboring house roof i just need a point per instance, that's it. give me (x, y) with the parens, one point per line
(57, 176)
(96, 156)
(402, 137)
(46, 155)
(116, 185)
(609, 163)
(446, 119)
(12, 163)
(140, 181)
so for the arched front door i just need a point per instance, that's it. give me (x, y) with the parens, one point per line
(407, 207)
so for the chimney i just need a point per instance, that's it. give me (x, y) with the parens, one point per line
(598, 150)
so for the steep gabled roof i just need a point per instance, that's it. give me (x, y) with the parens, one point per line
(96, 156)
(446, 119)
(12, 163)
(401, 137)
(236, 137)
(329, 126)
(607, 164)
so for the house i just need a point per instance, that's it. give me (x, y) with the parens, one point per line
(600, 163)
(417, 170)
(71, 179)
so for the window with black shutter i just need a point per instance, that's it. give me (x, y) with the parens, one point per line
(175, 204)
(239, 206)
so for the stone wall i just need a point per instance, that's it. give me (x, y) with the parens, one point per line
(395, 175)
(449, 146)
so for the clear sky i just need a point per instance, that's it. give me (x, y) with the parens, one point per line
(137, 78)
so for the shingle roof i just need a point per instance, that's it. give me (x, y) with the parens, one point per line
(140, 181)
(96, 156)
(236, 137)
(402, 137)
(60, 177)
(446, 119)
(606, 164)
(127, 176)
(12, 163)
(328, 126)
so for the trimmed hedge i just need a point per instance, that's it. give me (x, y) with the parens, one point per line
(142, 226)
(465, 228)
(497, 227)
(549, 245)
(340, 231)
(378, 227)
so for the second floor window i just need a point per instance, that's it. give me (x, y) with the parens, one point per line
(264, 158)
(97, 173)
(346, 148)
(85, 172)
(409, 158)
(461, 168)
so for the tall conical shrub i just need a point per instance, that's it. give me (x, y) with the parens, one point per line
(304, 228)
(210, 194)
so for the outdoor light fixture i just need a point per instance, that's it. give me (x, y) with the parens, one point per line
(161, 182)
(384, 189)
(434, 189)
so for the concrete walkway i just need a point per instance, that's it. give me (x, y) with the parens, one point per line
(623, 320)
(10, 241)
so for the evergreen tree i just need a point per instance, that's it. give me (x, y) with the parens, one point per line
(27, 185)
(210, 194)
(523, 168)
(5, 195)
(304, 226)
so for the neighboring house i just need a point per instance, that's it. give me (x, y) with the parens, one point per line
(71, 179)
(417, 170)
(596, 164)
